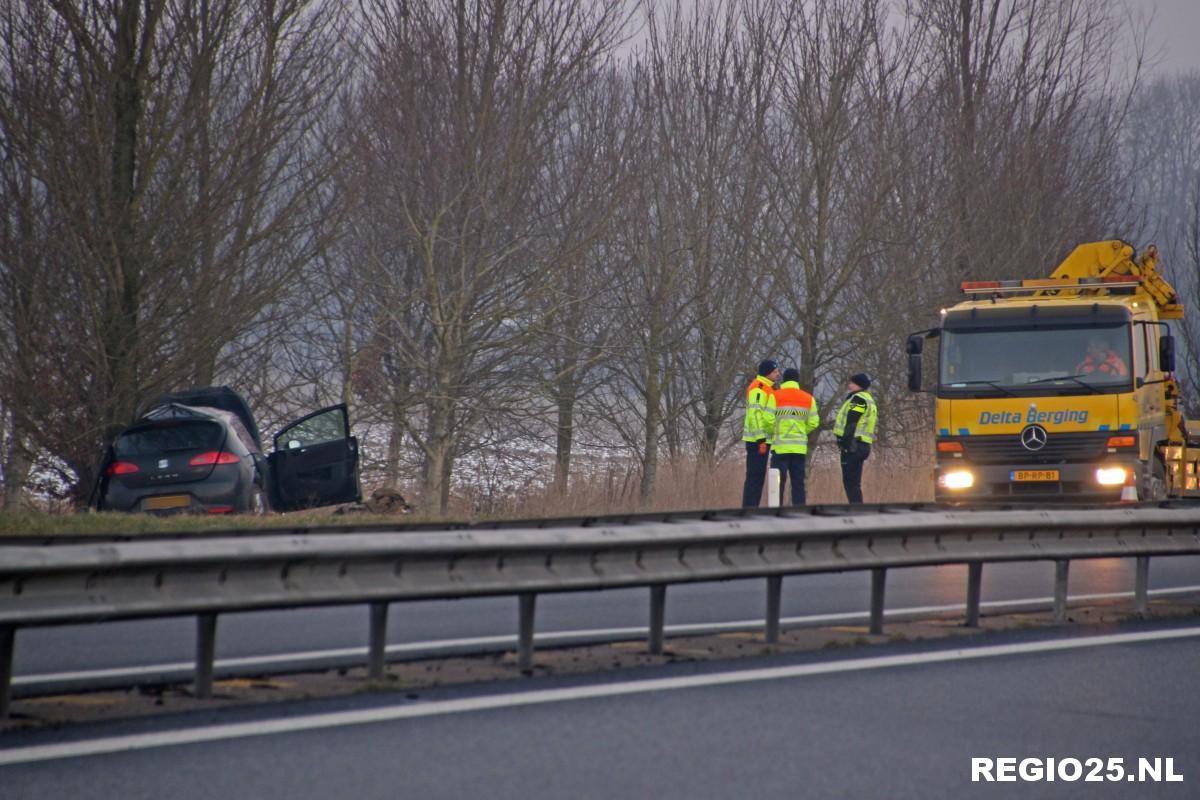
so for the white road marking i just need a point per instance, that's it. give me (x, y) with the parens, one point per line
(432, 647)
(212, 733)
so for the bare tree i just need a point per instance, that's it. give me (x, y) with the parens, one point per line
(832, 177)
(1028, 99)
(170, 147)
(460, 115)
(585, 181)
(715, 87)
(473, 222)
(1162, 154)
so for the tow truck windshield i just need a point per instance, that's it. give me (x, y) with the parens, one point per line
(990, 362)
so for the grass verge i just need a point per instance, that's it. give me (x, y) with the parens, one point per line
(36, 523)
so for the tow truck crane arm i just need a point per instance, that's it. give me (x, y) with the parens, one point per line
(1115, 258)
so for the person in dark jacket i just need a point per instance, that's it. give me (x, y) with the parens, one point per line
(854, 428)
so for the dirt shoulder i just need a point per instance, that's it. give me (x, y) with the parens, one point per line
(413, 677)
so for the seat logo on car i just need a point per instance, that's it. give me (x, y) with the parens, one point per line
(163, 463)
(1033, 437)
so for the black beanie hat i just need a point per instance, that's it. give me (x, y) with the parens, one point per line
(790, 374)
(861, 379)
(766, 367)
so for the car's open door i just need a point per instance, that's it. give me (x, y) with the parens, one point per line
(315, 462)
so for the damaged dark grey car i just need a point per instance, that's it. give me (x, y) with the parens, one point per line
(200, 451)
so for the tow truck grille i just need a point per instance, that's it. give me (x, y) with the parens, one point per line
(1061, 448)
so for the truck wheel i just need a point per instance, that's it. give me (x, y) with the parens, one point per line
(1153, 485)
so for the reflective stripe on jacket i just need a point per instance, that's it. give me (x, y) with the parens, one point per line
(760, 410)
(795, 418)
(1111, 365)
(863, 403)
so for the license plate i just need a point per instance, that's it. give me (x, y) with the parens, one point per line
(1033, 475)
(166, 501)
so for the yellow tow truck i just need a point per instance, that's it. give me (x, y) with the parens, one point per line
(1061, 388)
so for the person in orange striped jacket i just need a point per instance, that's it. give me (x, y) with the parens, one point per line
(796, 417)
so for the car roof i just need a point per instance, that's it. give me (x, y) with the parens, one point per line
(218, 398)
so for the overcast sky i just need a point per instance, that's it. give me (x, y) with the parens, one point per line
(1176, 29)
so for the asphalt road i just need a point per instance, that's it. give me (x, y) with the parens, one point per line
(902, 721)
(132, 644)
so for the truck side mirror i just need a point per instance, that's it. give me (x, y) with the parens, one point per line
(915, 344)
(1166, 353)
(914, 372)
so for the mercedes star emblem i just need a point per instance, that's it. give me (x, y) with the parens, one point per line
(1033, 437)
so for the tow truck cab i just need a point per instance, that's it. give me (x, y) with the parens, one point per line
(1061, 388)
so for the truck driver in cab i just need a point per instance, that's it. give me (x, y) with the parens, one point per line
(1102, 359)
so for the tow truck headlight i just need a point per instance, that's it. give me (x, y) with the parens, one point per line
(1111, 476)
(957, 479)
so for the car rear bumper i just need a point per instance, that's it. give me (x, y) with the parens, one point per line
(213, 495)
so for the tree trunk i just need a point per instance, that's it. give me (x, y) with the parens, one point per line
(434, 495)
(121, 322)
(565, 434)
(17, 464)
(964, 240)
(395, 443)
(711, 425)
(439, 445)
(566, 395)
(653, 421)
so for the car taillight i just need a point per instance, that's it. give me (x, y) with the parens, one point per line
(208, 459)
(120, 468)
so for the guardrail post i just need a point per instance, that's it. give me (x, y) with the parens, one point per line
(206, 652)
(377, 641)
(774, 602)
(528, 604)
(1141, 584)
(974, 586)
(8, 646)
(658, 615)
(878, 583)
(1062, 568)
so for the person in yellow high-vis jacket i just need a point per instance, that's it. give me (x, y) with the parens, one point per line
(757, 429)
(854, 428)
(796, 417)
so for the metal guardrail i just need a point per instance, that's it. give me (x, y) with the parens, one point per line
(81, 581)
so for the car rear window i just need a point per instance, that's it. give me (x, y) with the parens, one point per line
(169, 438)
